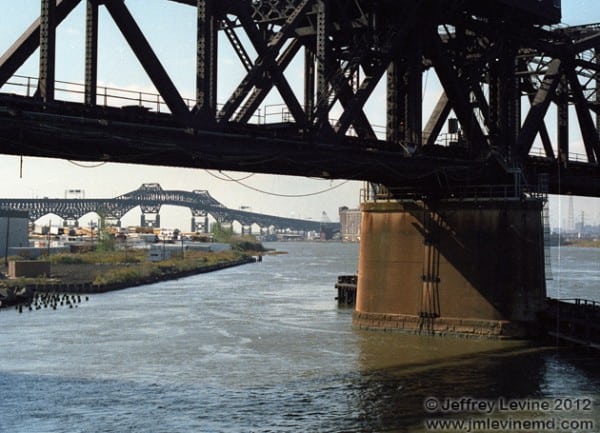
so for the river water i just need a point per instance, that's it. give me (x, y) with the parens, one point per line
(264, 348)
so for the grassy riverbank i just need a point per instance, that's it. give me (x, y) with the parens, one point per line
(102, 271)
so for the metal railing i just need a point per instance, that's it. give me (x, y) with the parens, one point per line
(106, 96)
(573, 157)
(484, 192)
(580, 301)
(109, 96)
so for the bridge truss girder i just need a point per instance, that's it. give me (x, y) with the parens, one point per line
(501, 71)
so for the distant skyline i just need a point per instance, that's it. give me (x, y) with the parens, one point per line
(170, 28)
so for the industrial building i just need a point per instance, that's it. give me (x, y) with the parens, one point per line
(13, 230)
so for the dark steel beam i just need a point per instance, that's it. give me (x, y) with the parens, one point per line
(143, 51)
(544, 135)
(206, 60)
(266, 63)
(345, 94)
(434, 125)
(459, 96)
(395, 116)
(45, 89)
(324, 61)
(413, 104)
(237, 44)
(562, 120)
(587, 43)
(392, 41)
(538, 109)
(309, 83)
(586, 123)
(91, 52)
(29, 41)
(260, 93)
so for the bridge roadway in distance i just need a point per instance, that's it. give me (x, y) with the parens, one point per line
(150, 197)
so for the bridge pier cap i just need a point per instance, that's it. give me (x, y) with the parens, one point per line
(470, 266)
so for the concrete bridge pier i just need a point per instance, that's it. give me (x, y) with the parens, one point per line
(454, 267)
(200, 223)
(71, 222)
(246, 229)
(150, 220)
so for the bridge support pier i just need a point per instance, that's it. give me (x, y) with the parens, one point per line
(200, 223)
(457, 267)
(147, 221)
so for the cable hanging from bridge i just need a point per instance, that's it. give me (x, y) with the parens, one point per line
(78, 164)
(230, 179)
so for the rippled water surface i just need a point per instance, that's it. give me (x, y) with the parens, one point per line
(263, 347)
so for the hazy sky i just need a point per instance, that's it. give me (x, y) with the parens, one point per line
(170, 28)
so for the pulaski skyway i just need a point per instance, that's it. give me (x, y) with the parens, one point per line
(150, 197)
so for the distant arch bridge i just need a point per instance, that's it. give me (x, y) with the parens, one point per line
(150, 197)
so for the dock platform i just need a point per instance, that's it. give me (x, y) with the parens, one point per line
(574, 321)
(346, 288)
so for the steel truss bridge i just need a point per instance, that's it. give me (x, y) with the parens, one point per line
(150, 197)
(515, 83)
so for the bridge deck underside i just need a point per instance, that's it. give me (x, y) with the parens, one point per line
(117, 135)
(500, 63)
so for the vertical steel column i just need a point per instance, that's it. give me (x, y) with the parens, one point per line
(395, 121)
(206, 62)
(562, 111)
(309, 83)
(597, 79)
(510, 103)
(504, 119)
(91, 52)
(47, 50)
(323, 52)
(494, 103)
(414, 94)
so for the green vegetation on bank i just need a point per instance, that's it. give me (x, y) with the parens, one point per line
(584, 243)
(143, 271)
(111, 262)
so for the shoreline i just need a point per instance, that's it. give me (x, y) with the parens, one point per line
(23, 293)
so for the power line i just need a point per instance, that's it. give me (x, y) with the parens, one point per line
(238, 181)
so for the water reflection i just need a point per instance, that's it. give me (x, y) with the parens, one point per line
(401, 372)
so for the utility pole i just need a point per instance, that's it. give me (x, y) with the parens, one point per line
(6, 246)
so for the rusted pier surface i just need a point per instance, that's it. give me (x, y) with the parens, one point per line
(573, 321)
(346, 289)
(470, 267)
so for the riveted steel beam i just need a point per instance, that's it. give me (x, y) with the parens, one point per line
(151, 64)
(539, 108)
(434, 125)
(29, 41)
(45, 89)
(260, 93)
(266, 64)
(586, 123)
(562, 119)
(453, 81)
(91, 52)
(206, 59)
